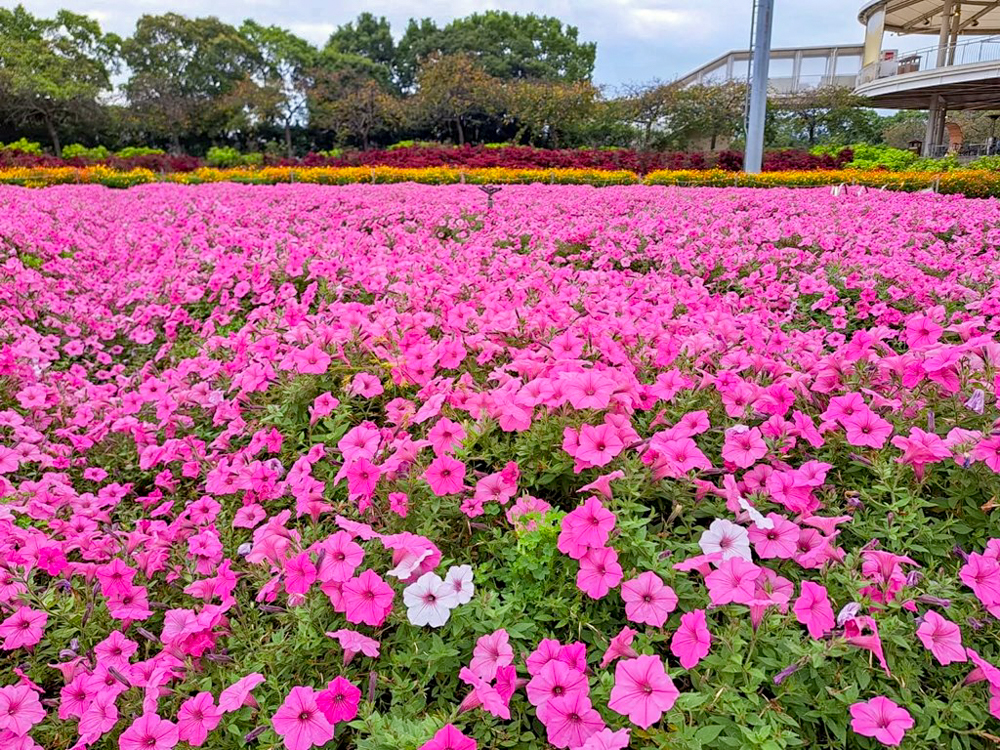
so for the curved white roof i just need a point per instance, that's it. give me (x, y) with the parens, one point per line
(924, 16)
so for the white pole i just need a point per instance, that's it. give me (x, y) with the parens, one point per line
(753, 157)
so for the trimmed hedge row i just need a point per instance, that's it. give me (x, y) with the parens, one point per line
(972, 183)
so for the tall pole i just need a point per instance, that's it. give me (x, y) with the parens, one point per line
(754, 157)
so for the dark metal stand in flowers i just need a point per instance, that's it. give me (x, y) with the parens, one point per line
(490, 190)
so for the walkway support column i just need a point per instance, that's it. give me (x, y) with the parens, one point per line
(753, 158)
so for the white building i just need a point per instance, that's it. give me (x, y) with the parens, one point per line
(959, 71)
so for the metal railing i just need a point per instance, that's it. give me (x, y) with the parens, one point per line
(963, 53)
(965, 151)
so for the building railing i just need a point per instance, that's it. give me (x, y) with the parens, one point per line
(963, 53)
(965, 151)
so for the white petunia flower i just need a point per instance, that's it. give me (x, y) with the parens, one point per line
(429, 601)
(460, 579)
(731, 539)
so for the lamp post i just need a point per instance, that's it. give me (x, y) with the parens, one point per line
(753, 157)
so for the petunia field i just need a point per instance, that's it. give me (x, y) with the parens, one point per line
(407, 467)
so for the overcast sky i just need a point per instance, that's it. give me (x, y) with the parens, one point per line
(637, 40)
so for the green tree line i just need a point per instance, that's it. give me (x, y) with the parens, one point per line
(190, 83)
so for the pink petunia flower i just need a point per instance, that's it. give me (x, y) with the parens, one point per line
(353, 643)
(599, 572)
(744, 446)
(692, 640)
(732, 582)
(445, 476)
(813, 609)
(648, 600)
(587, 526)
(196, 718)
(340, 701)
(780, 541)
(570, 720)
(367, 599)
(620, 646)
(449, 737)
(20, 709)
(299, 721)
(643, 690)
(234, 697)
(149, 732)
(882, 719)
(23, 629)
(491, 652)
(942, 637)
(554, 680)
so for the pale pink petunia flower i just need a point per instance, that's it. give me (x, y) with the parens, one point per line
(353, 643)
(727, 538)
(234, 697)
(491, 652)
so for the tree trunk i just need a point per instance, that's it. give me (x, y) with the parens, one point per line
(461, 132)
(712, 145)
(53, 136)
(288, 140)
(175, 143)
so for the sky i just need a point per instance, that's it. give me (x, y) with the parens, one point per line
(637, 40)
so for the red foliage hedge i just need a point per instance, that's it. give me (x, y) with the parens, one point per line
(474, 157)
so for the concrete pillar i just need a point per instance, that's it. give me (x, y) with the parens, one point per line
(796, 71)
(943, 37)
(956, 23)
(932, 117)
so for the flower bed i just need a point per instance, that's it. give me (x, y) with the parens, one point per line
(383, 468)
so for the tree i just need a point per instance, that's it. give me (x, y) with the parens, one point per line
(648, 107)
(182, 70)
(454, 90)
(830, 114)
(547, 113)
(505, 45)
(284, 76)
(53, 71)
(368, 37)
(357, 111)
(708, 112)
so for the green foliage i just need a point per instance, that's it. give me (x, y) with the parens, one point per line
(78, 150)
(131, 151)
(226, 156)
(23, 145)
(867, 156)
